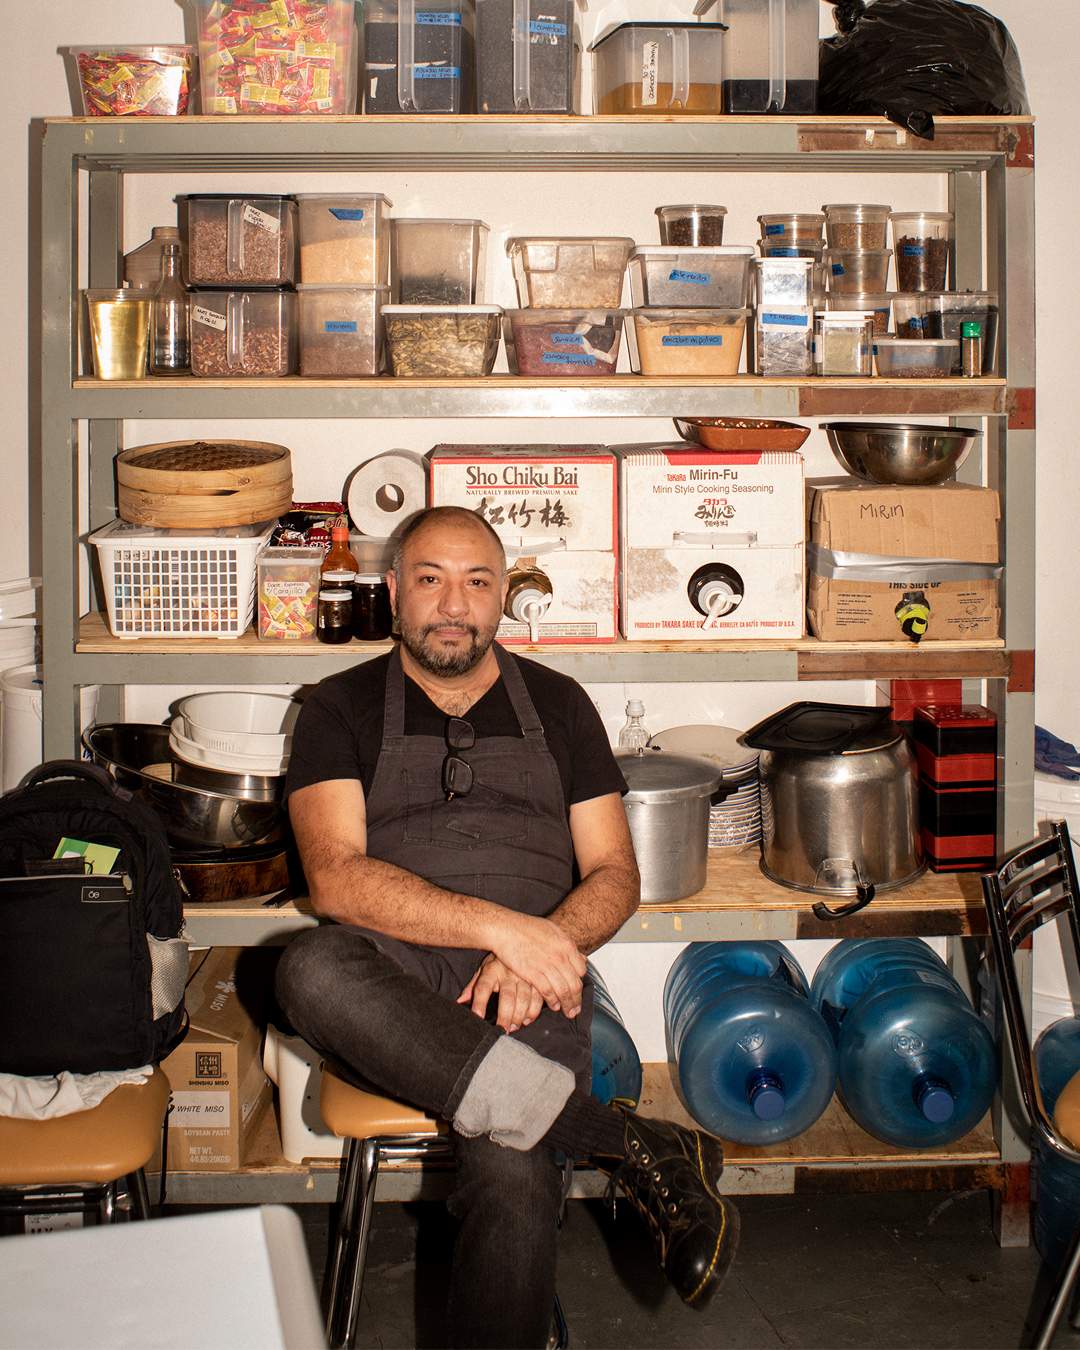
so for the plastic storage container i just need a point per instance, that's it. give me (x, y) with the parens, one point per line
(879, 304)
(616, 1065)
(277, 56)
(344, 238)
(692, 225)
(561, 273)
(239, 241)
(947, 312)
(135, 81)
(855, 271)
(686, 341)
(341, 329)
(119, 333)
(917, 1067)
(784, 281)
(1057, 1181)
(915, 358)
(439, 262)
(856, 225)
(843, 342)
(921, 241)
(770, 56)
(568, 342)
(797, 228)
(659, 67)
(418, 57)
(442, 340)
(784, 340)
(756, 1062)
(700, 278)
(288, 593)
(243, 333)
(526, 56)
(908, 309)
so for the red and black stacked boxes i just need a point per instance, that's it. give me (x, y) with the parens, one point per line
(956, 746)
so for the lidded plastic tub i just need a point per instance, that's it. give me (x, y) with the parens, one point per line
(784, 340)
(341, 329)
(802, 227)
(852, 270)
(784, 281)
(344, 238)
(569, 272)
(771, 56)
(526, 56)
(922, 243)
(877, 302)
(908, 311)
(243, 333)
(699, 278)
(418, 56)
(947, 311)
(437, 340)
(856, 225)
(239, 241)
(686, 341)
(691, 225)
(439, 261)
(659, 68)
(843, 342)
(135, 81)
(915, 358)
(567, 342)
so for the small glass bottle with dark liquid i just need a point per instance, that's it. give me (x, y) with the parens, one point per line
(372, 620)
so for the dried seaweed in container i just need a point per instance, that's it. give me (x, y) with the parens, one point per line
(435, 345)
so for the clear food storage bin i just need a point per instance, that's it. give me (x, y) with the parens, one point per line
(854, 270)
(243, 333)
(921, 240)
(947, 312)
(916, 358)
(686, 341)
(908, 309)
(239, 241)
(569, 342)
(879, 303)
(692, 225)
(784, 340)
(843, 342)
(288, 593)
(344, 238)
(341, 329)
(418, 57)
(700, 278)
(659, 68)
(442, 340)
(439, 262)
(119, 333)
(856, 225)
(771, 56)
(135, 81)
(526, 56)
(792, 228)
(784, 281)
(560, 273)
(277, 56)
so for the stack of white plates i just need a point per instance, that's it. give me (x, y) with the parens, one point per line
(19, 626)
(236, 732)
(736, 820)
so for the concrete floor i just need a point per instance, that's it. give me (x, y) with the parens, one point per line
(816, 1273)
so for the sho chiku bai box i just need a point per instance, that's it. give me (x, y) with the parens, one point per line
(555, 509)
(711, 543)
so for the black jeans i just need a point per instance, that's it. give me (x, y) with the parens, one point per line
(358, 1007)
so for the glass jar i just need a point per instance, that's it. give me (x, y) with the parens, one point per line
(335, 616)
(372, 620)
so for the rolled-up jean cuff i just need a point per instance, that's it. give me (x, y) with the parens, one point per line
(465, 1077)
(514, 1096)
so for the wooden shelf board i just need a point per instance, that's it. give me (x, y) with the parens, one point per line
(571, 119)
(825, 384)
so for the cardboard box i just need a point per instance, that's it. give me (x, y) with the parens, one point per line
(697, 525)
(219, 1090)
(951, 523)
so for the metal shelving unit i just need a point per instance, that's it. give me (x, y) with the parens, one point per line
(989, 164)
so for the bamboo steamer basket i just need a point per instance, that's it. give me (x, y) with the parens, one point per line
(203, 484)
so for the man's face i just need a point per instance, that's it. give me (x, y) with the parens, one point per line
(450, 595)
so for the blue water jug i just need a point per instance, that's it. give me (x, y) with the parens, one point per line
(1057, 1181)
(756, 1063)
(616, 1065)
(917, 1067)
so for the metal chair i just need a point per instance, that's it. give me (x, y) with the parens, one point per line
(1036, 884)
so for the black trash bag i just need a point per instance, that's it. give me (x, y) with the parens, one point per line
(909, 59)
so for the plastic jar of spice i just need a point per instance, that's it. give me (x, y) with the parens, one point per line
(372, 620)
(335, 616)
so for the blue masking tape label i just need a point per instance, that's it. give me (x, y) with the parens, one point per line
(346, 213)
(547, 29)
(694, 278)
(838, 269)
(786, 320)
(340, 326)
(568, 359)
(913, 250)
(774, 229)
(692, 340)
(568, 339)
(438, 18)
(782, 253)
(437, 72)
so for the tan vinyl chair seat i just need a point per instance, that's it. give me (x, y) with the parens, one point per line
(353, 1113)
(103, 1144)
(1067, 1112)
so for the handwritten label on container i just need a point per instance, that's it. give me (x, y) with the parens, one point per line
(262, 220)
(771, 319)
(838, 269)
(210, 318)
(568, 359)
(439, 18)
(775, 229)
(692, 340)
(346, 213)
(547, 29)
(913, 250)
(437, 72)
(340, 326)
(650, 73)
(568, 339)
(692, 278)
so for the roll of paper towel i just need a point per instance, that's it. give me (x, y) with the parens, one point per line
(385, 491)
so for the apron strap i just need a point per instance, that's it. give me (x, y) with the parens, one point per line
(531, 726)
(394, 703)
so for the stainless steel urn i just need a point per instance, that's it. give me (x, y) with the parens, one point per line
(668, 811)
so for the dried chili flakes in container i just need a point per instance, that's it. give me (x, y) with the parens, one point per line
(134, 81)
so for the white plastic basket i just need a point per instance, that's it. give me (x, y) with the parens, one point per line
(178, 583)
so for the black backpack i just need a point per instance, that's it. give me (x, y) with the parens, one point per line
(92, 968)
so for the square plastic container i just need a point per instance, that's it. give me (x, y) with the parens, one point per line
(659, 68)
(784, 340)
(851, 271)
(922, 242)
(566, 273)
(686, 341)
(908, 310)
(915, 358)
(695, 278)
(439, 262)
(879, 303)
(796, 228)
(341, 329)
(692, 225)
(567, 342)
(344, 238)
(947, 311)
(277, 56)
(243, 333)
(418, 57)
(288, 593)
(178, 583)
(442, 340)
(843, 342)
(856, 225)
(784, 281)
(239, 241)
(135, 81)
(526, 56)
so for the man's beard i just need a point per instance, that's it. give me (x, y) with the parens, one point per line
(452, 662)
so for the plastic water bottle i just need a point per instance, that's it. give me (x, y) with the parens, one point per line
(917, 1066)
(756, 1062)
(1057, 1181)
(616, 1065)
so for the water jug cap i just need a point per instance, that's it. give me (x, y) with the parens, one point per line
(936, 1103)
(767, 1101)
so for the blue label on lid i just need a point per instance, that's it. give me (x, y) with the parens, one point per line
(439, 18)
(437, 72)
(568, 359)
(346, 213)
(693, 278)
(913, 250)
(782, 253)
(568, 339)
(787, 320)
(340, 326)
(692, 340)
(546, 28)
(838, 269)
(774, 229)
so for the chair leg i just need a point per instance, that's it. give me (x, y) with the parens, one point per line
(1060, 1300)
(350, 1249)
(561, 1330)
(347, 1192)
(106, 1208)
(140, 1195)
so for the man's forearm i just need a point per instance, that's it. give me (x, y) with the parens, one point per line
(597, 908)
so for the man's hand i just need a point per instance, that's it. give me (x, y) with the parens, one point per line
(519, 1003)
(540, 953)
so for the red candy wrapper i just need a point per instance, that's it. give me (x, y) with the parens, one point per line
(135, 81)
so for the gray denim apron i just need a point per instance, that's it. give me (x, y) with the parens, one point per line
(507, 840)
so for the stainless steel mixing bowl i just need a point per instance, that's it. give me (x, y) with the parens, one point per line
(137, 755)
(900, 452)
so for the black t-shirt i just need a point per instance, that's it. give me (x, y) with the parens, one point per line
(340, 728)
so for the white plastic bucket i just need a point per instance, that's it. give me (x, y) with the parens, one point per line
(1055, 799)
(296, 1070)
(20, 721)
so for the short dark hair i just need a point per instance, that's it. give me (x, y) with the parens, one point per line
(432, 515)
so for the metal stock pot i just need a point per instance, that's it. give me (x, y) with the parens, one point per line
(667, 808)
